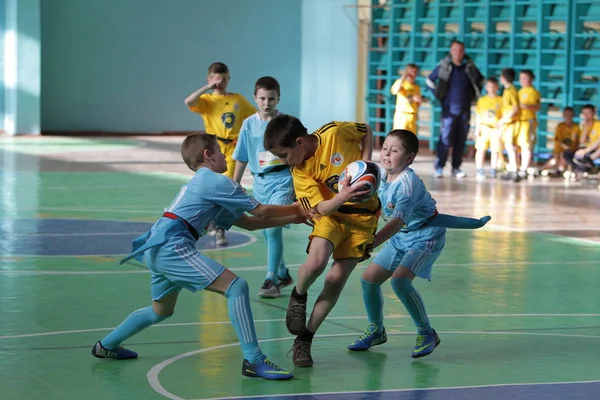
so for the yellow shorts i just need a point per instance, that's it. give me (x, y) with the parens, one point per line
(526, 135)
(510, 132)
(227, 149)
(348, 240)
(489, 137)
(407, 121)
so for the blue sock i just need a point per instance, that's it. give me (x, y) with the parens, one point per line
(413, 302)
(274, 238)
(240, 315)
(373, 299)
(454, 222)
(136, 322)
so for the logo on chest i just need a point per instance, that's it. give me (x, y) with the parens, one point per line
(228, 119)
(337, 159)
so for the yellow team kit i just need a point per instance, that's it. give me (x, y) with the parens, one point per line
(351, 230)
(223, 116)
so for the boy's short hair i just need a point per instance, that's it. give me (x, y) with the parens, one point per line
(456, 41)
(193, 146)
(493, 80)
(508, 74)
(412, 65)
(569, 108)
(589, 107)
(267, 83)
(282, 131)
(408, 138)
(529, 73)
(218, 68)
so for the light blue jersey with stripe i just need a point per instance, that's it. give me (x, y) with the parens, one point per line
(418, 244)
(406, 198)
(208, 198)
(250, 146)
(211, 198)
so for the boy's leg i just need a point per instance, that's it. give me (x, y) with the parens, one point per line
(508, 137)
(422, 248)
(318, 255)
(371, 281)
(164, 293)
(353, 247)
(325, 237)
(275, 188)
(274, 239)
(255, 364)
(336, 279)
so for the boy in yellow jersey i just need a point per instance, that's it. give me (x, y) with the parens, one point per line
(223, 113)
(566, 138)
(342, 229)
(408, 99)
(530, 102)
(509, 123)
(488, 113)
(583, 159)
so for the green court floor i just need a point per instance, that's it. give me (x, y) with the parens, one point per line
(517, 310)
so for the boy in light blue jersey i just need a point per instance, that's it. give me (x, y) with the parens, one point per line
(272, 179)
(169, 251)
(414, 237)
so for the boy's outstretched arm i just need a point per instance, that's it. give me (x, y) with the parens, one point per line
(264, 211)
(253, 223)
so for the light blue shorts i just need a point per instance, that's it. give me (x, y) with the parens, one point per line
(274, 188)
(178, 265)
(416, 250)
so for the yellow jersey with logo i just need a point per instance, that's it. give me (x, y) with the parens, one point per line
(591, 133)
(568, 135)
(223, 114)
(489, 110)
(510, 99)
(316, 179)
(528, 96)
(404, 98)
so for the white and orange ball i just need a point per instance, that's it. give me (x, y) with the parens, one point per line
(363, 173)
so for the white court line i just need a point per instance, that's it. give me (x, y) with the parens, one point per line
(26, 335)
(152, 375)
(412, 389)
(263, 268)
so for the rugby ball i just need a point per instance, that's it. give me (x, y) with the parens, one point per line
(365, 173)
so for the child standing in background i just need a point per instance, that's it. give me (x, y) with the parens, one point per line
(223, 113)
(272, 179)
(408, 99)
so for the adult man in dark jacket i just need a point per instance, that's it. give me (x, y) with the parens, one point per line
(456, 83)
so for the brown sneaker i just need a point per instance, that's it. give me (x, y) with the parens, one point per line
(301, 354)
(295, 317)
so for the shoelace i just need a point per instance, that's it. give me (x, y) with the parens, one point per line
(421, 340)
(367, 333)
(272, 365)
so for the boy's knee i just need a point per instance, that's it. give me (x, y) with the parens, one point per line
(401, 285)
(158, 314)
(237, 287)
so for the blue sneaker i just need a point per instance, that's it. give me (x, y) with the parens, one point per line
(368, 339)
(425, 345)
(265, 369)
(119, 354)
